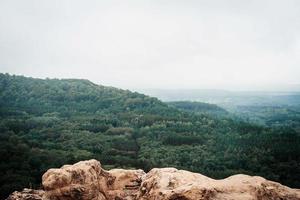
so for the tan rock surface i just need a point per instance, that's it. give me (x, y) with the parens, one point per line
(27, 194)
(127, 183)
(173, 184)
(86, 180)
(83, 180)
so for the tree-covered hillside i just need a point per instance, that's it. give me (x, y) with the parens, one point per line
(199, 107)
(48, 123)
(271, 116)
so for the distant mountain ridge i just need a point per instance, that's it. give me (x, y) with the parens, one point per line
(198, 107)
(226, 97)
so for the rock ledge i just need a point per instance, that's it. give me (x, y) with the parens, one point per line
(86, 180)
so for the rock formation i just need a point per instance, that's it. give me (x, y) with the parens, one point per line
(27, 194)
(86, 180)
(173, 184)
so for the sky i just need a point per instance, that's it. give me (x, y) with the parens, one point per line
(211, 44)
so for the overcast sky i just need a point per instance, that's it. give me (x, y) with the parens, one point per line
(209, 44)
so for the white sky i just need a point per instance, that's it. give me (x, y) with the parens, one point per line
(217, 44)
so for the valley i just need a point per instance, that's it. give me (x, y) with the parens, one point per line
(46, 123)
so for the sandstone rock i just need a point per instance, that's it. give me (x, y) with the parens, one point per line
(83, 180)
(173, 184)
(27, 194)
(86, 180)
(126, 183)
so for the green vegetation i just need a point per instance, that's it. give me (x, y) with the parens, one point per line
(199, 108)
(271, 115)
(48, 123)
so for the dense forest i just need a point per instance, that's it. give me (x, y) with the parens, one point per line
(50, 122)
(199, 108)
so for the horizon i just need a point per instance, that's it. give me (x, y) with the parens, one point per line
(281, 89)
(198, 44)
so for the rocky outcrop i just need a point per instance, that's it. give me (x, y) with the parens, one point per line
(27, 194)
(173, 184)
(86, 180)
(83, 180)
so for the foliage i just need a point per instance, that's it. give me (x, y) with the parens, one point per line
(48, 123)
(199, 107)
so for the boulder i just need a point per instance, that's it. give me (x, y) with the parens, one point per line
(173, 184)
(86, 180)
(83, 180)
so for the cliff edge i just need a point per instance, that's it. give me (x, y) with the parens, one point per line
(86, 180)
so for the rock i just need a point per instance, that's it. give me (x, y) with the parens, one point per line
(27, 194)
(86, 180)
(173, 184)
(170, 183)
(83, 180)
(126, 183)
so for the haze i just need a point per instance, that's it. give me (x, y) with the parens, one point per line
(154, 44)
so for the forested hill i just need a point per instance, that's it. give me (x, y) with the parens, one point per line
(199, 107)
(71, 95)
(48, 123)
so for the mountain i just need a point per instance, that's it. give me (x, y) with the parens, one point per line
(46, 123)
(87, 180)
